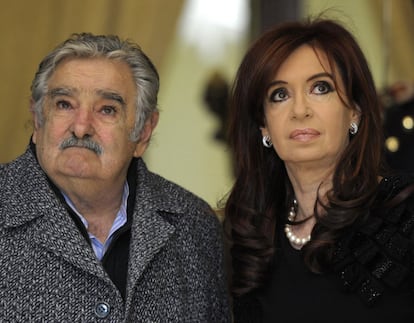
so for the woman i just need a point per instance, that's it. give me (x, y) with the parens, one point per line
(319, 231)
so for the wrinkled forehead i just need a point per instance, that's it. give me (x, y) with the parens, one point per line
(96, 73)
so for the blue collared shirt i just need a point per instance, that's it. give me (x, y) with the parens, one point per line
(121, 218)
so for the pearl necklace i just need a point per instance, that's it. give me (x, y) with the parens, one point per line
(298, 242)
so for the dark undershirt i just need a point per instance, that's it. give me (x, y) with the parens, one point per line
(294, 294)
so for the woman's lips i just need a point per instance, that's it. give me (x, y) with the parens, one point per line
(304, 134)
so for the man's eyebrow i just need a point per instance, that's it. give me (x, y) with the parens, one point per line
(64, 91)
(112, 96)
(58, 91)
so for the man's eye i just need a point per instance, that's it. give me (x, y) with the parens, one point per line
(63, 105)
(278, 95)
(108, 110)
(322, 87)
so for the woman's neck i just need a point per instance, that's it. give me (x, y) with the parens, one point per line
(308, 185)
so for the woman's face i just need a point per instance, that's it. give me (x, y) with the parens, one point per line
(304, 116)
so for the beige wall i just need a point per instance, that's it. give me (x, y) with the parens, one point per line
(29, 29)
(182, 148)
(384, 29)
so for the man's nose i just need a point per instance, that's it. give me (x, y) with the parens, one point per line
(82, 125)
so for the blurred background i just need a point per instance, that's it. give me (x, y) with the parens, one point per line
(197, 46)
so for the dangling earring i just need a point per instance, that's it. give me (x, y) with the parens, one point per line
(267, 142)
(353, 129)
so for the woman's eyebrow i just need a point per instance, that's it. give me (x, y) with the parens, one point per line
(276, 82)
(315, 76)
(318, 75)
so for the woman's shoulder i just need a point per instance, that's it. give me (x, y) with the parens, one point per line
(376, 256)
(394, 203)
(392, 185)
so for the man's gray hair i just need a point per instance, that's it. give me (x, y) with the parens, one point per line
(87, 45)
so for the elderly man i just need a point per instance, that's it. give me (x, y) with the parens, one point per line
(87, 233)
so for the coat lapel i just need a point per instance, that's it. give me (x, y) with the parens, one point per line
(57, 233)
(150, 232)
(35, 208)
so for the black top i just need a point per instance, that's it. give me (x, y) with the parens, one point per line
(372, 279)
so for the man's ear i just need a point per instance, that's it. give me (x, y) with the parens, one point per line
(35, 120)
(146, 133)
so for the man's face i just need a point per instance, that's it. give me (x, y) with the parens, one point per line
(92, 100)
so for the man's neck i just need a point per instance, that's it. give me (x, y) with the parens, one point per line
(99, 213)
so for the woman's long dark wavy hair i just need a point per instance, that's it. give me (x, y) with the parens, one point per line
(259, 199)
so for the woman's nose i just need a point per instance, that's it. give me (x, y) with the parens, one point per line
(301, 107)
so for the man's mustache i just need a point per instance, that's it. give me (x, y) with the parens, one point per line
(82, 143)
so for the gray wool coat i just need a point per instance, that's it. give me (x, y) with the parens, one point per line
(49, 273)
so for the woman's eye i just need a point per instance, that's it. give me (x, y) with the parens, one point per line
(63, 105)
(322, 87)
(279, 95)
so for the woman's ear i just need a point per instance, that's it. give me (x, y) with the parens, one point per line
(356, 114)
(264, 131)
